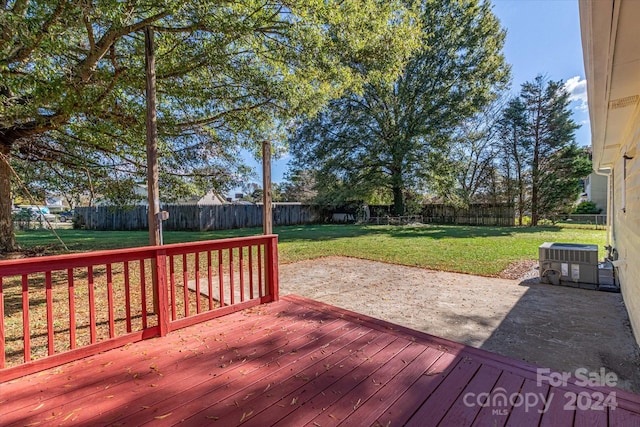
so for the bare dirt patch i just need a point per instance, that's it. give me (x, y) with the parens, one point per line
(552, 326)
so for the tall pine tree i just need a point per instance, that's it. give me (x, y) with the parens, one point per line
(551, 132)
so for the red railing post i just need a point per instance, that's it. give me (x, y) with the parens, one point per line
(272, 267)
(162, 291)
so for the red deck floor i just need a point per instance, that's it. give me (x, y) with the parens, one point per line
(299, 362)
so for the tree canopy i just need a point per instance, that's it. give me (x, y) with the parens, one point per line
(389, 136)
(229, 74)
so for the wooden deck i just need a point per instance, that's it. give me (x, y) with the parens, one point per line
(300, 362)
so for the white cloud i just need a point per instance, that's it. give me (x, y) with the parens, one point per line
(577, 89)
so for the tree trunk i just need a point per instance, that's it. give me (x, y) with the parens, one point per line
(398, 202)
(535, 186)
(7, 238)
(397, 187)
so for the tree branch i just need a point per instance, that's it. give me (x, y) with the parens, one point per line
(23, 53)
(86, 67)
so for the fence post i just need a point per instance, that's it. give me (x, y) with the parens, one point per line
(162, 291)
(272, 267)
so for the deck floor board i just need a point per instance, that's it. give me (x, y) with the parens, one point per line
(297, 362)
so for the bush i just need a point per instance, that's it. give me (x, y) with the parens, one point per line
(587, 208)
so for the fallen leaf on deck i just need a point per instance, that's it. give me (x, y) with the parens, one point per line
(161, 417)
(246, 415)
(71, 414)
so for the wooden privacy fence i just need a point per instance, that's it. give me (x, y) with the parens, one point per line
(57, 309)
(193, 217)
(475, 214)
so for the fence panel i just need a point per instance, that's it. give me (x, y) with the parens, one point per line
(475, 214)
(194, 217)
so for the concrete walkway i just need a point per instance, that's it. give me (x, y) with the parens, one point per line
(552, 326)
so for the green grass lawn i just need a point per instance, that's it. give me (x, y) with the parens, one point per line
(476, 250)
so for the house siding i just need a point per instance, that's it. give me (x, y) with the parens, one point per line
(626, 228)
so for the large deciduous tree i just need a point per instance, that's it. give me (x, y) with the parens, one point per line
(384, 137)
(228, 73)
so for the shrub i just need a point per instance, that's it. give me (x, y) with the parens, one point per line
(587, 208)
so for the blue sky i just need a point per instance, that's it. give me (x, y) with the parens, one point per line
(543, 37)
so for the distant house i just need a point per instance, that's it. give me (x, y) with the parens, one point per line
(211, 198)
(140, 195)
(595, 190)
(610, 36)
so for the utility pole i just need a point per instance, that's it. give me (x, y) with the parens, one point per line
(152, 139)
(153, 193)
(267, 214)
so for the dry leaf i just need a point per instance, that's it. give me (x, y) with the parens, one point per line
(161, 417)
(71, 414)
(246, 415)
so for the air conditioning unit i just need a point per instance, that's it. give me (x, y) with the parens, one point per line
(569, 264)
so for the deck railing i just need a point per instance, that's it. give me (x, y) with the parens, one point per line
(57, 309)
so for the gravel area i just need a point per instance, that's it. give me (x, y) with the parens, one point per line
(552, 326)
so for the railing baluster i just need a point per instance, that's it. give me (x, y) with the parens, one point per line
(143, 294)
(92, 305)
(185, 285)
(251, 271)
(127, 295)
(26, 332)
(231, 290)
(49, 297)
(220, 278)
(210, 280)
(112, 326)
(197, 262)
(172, 280)
(241, 263)
(260, 294)
(72, 309)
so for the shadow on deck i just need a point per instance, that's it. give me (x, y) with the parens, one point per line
(301, 362)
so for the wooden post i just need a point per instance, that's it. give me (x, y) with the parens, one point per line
(162, 289)
(267, 213)
(153, 193)
(272, 269)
